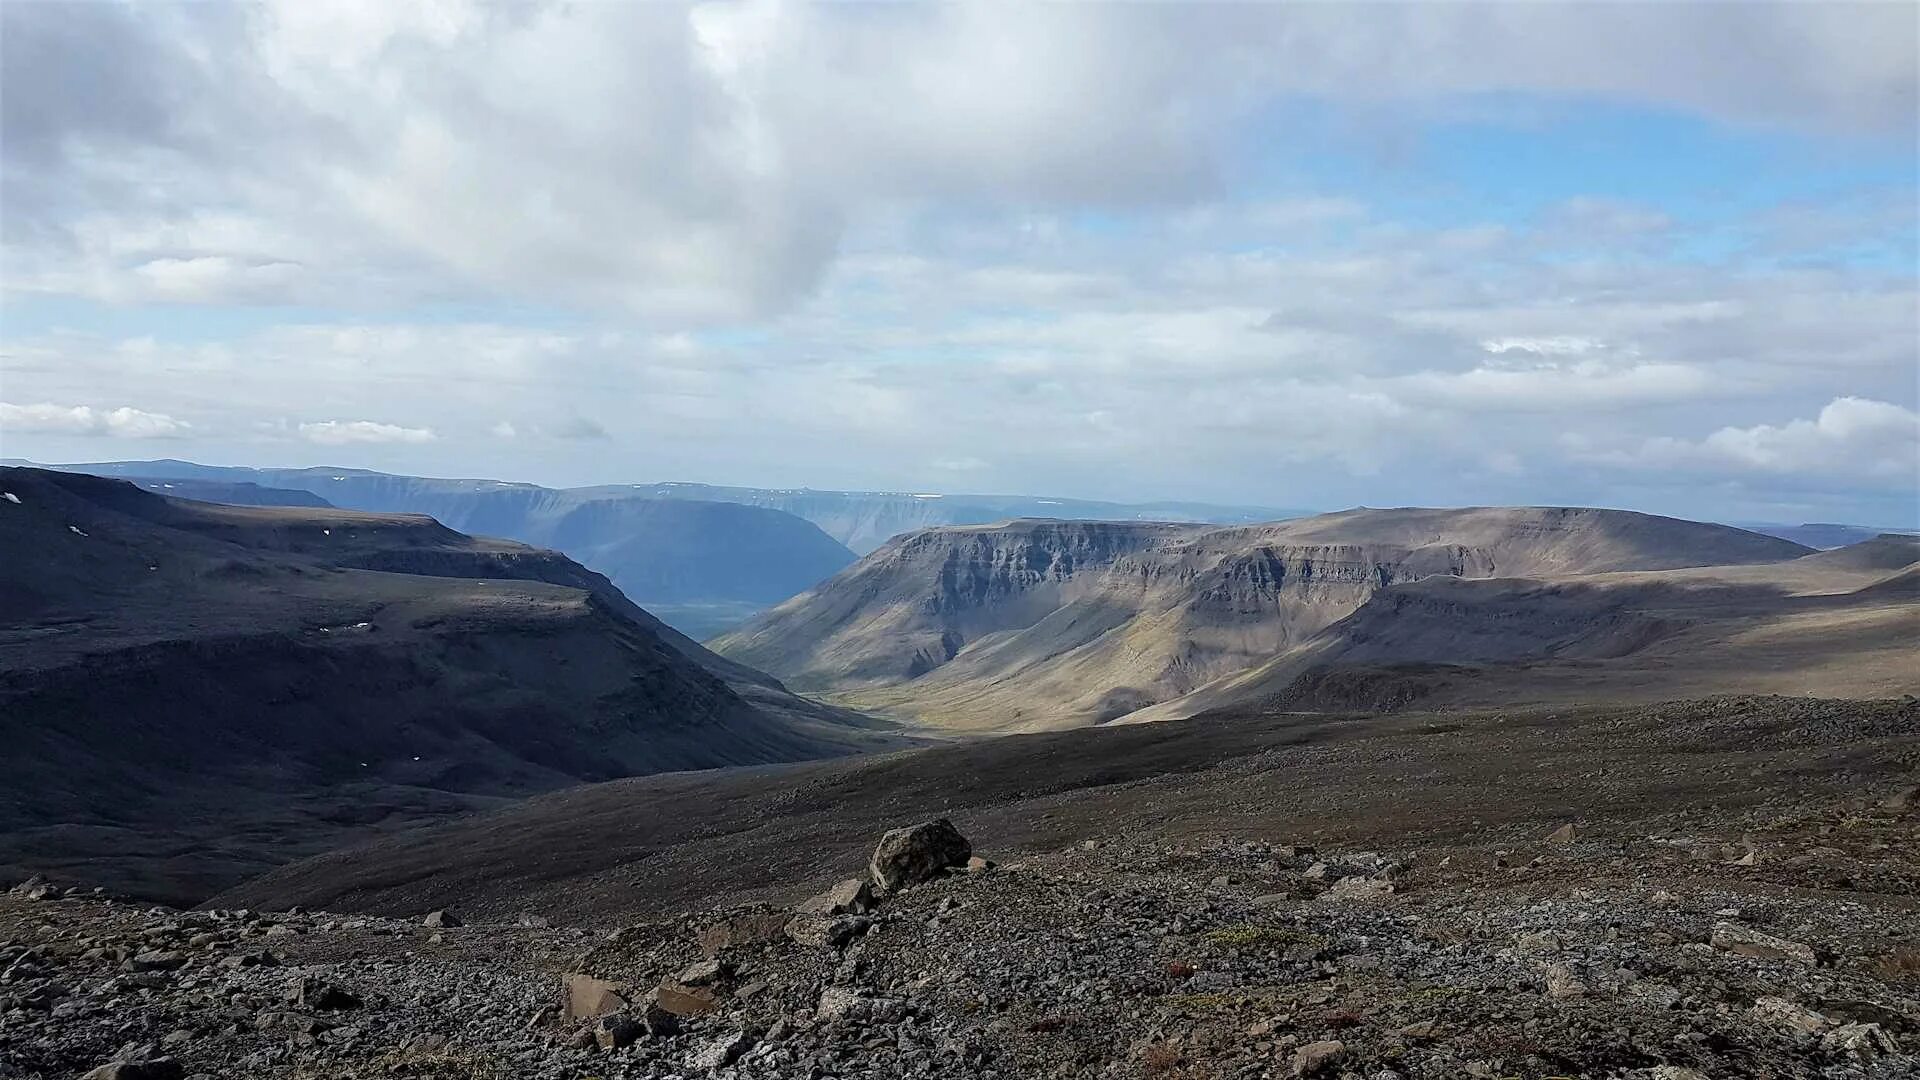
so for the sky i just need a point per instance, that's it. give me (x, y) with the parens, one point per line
(1661, 256)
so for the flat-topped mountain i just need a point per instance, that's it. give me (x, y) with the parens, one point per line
(248, 682)
(1045, 623)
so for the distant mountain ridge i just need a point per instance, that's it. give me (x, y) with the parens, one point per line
(688, 561)
(860, 520)
(303, 670)
(1032, 624)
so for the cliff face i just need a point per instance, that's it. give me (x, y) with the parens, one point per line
(1044, 623)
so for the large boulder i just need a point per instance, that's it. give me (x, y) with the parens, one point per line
(588, 997)
(917, 853)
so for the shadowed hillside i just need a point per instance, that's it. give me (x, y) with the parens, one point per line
(249, 683)
(1034, 624)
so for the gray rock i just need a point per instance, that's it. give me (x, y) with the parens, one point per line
(851, 897)
(1748, 942)
(917, 853)
(720, 1052)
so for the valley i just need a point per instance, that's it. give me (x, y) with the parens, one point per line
(1490, 792)
(254, 683)
(1032, 625)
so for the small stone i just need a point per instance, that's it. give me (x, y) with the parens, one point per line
(158, 960)
(1425, 1029)
(1676, 1072)
(1541, 944)
(1316, 1057)
(440, 920)
(1565, 834)
(1563, 984)
(845, 1003)
(705, 972)
(977, 865)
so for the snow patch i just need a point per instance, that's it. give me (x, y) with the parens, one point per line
(75, 530)
(10, 497)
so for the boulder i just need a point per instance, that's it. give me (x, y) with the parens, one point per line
(615, 1030)
(440, 920)
(846, 1003)
(1861, 1041)
(822, 931)
(736, 931)
(1745, 941)
(1318, 1057)
(1359, 888)
(588, 997)
(1780, 1013)
(917, 853)
(1565, 834)
(720, 1052)
(323, 996)
(659, 1022)
(851, 897)
(685, 1000)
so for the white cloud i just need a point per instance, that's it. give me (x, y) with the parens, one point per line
(124, 422)
(709, 162)
(345, 432)
(1855, 437)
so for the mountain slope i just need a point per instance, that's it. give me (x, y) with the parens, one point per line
(694, 561)
(189, 692)
(1838, 623)
(1040, 624)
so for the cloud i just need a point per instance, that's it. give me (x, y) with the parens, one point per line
(124, 422)
(1858, 438)
(345, 432)
(712, 162)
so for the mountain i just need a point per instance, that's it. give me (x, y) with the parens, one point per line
(864, 520)
(701, 565)
(1820, 534)
(1838, 623)
(190, 692)
(1035, 624)
(860, 520)
(231, 492)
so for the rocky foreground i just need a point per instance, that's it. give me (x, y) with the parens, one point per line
(1782, 942)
